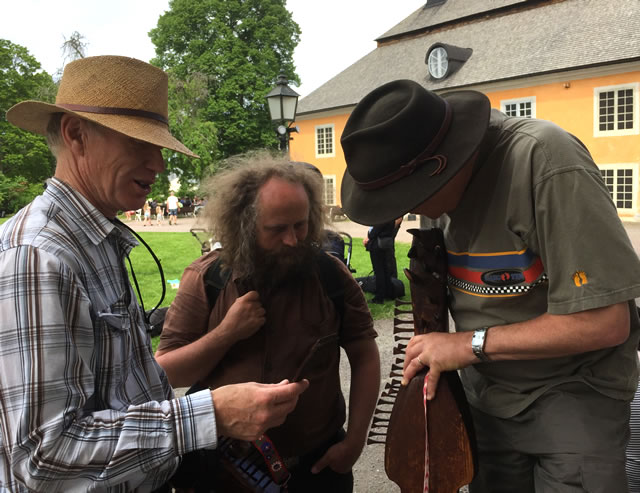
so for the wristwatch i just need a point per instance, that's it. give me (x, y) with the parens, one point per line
(478, 341)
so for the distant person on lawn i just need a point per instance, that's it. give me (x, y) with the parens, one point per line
(173, 204)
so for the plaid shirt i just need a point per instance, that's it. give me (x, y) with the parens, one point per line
(83, 404)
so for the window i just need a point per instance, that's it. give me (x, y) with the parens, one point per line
(324, 141)
(616, 110)
(524, 107)
(329, 190)
(438, 62)
(620, 181)
(444, 60)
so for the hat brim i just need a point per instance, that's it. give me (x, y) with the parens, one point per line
(34, 116)
(470, 119)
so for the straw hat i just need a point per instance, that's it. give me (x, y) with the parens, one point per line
(403, 143)
(120, 93)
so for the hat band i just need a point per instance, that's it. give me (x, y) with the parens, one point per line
(422, 158)
(106, 110)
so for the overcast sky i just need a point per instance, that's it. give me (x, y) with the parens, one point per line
(335, 33)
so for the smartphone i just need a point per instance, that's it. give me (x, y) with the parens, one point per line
(316, 357)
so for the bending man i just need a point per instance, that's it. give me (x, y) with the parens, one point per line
(541, 272)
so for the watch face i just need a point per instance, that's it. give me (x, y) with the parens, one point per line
(438, 62)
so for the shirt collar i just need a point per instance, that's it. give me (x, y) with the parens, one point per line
(85, 215)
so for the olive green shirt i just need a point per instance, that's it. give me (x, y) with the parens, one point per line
(537, 232)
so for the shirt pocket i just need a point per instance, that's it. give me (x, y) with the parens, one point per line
(115, 316)
(319, 316)
(317, 361)
(113, 340)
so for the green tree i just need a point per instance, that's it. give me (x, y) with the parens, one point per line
(24, 157)
(16, 192)
(223, 57)
(160, 189)
(187, 103)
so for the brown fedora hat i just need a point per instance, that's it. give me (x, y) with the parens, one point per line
(403, 143)
(120, 93)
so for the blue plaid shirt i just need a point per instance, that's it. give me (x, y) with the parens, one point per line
(83, 404)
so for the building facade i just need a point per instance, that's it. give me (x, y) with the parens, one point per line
(573, 62)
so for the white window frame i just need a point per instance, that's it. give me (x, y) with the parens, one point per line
(634, 184)
(596, 111)
(333, 141)
(519, 101)
(326, 178)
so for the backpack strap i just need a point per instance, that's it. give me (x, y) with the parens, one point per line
(330, 279)
(215, 279)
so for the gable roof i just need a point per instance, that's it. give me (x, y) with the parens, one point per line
(535, 37)
(450, 11)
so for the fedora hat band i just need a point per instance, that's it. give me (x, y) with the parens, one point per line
(106, 110)
(422, 158)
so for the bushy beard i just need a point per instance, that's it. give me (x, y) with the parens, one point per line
(287, 265)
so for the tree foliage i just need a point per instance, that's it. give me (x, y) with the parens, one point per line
(16, 192)
(187, 103)
(223, 57)
(25, 160)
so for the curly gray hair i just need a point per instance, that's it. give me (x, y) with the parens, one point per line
(232, 209)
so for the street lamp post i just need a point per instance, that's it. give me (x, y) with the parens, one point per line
(283, 102)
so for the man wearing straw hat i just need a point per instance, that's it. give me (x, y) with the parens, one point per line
(542, 279)
(83, 404)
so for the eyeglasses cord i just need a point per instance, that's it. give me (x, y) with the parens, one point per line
(147, 318)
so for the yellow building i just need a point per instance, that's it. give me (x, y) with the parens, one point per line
(574, 62)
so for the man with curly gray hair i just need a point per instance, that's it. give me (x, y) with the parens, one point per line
(232, 211)
(273, 312)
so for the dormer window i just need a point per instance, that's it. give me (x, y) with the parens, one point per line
(438, 62)
(444, 60)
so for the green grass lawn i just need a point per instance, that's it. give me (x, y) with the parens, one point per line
(177, 250)
(362, 263)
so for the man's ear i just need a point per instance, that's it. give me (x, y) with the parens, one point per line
(74, 134)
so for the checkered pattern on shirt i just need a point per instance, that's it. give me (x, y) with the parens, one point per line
(83, 404)
(494, 290)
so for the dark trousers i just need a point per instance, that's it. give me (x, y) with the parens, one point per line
(382, 271)
(326, 481)
(390, 257)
